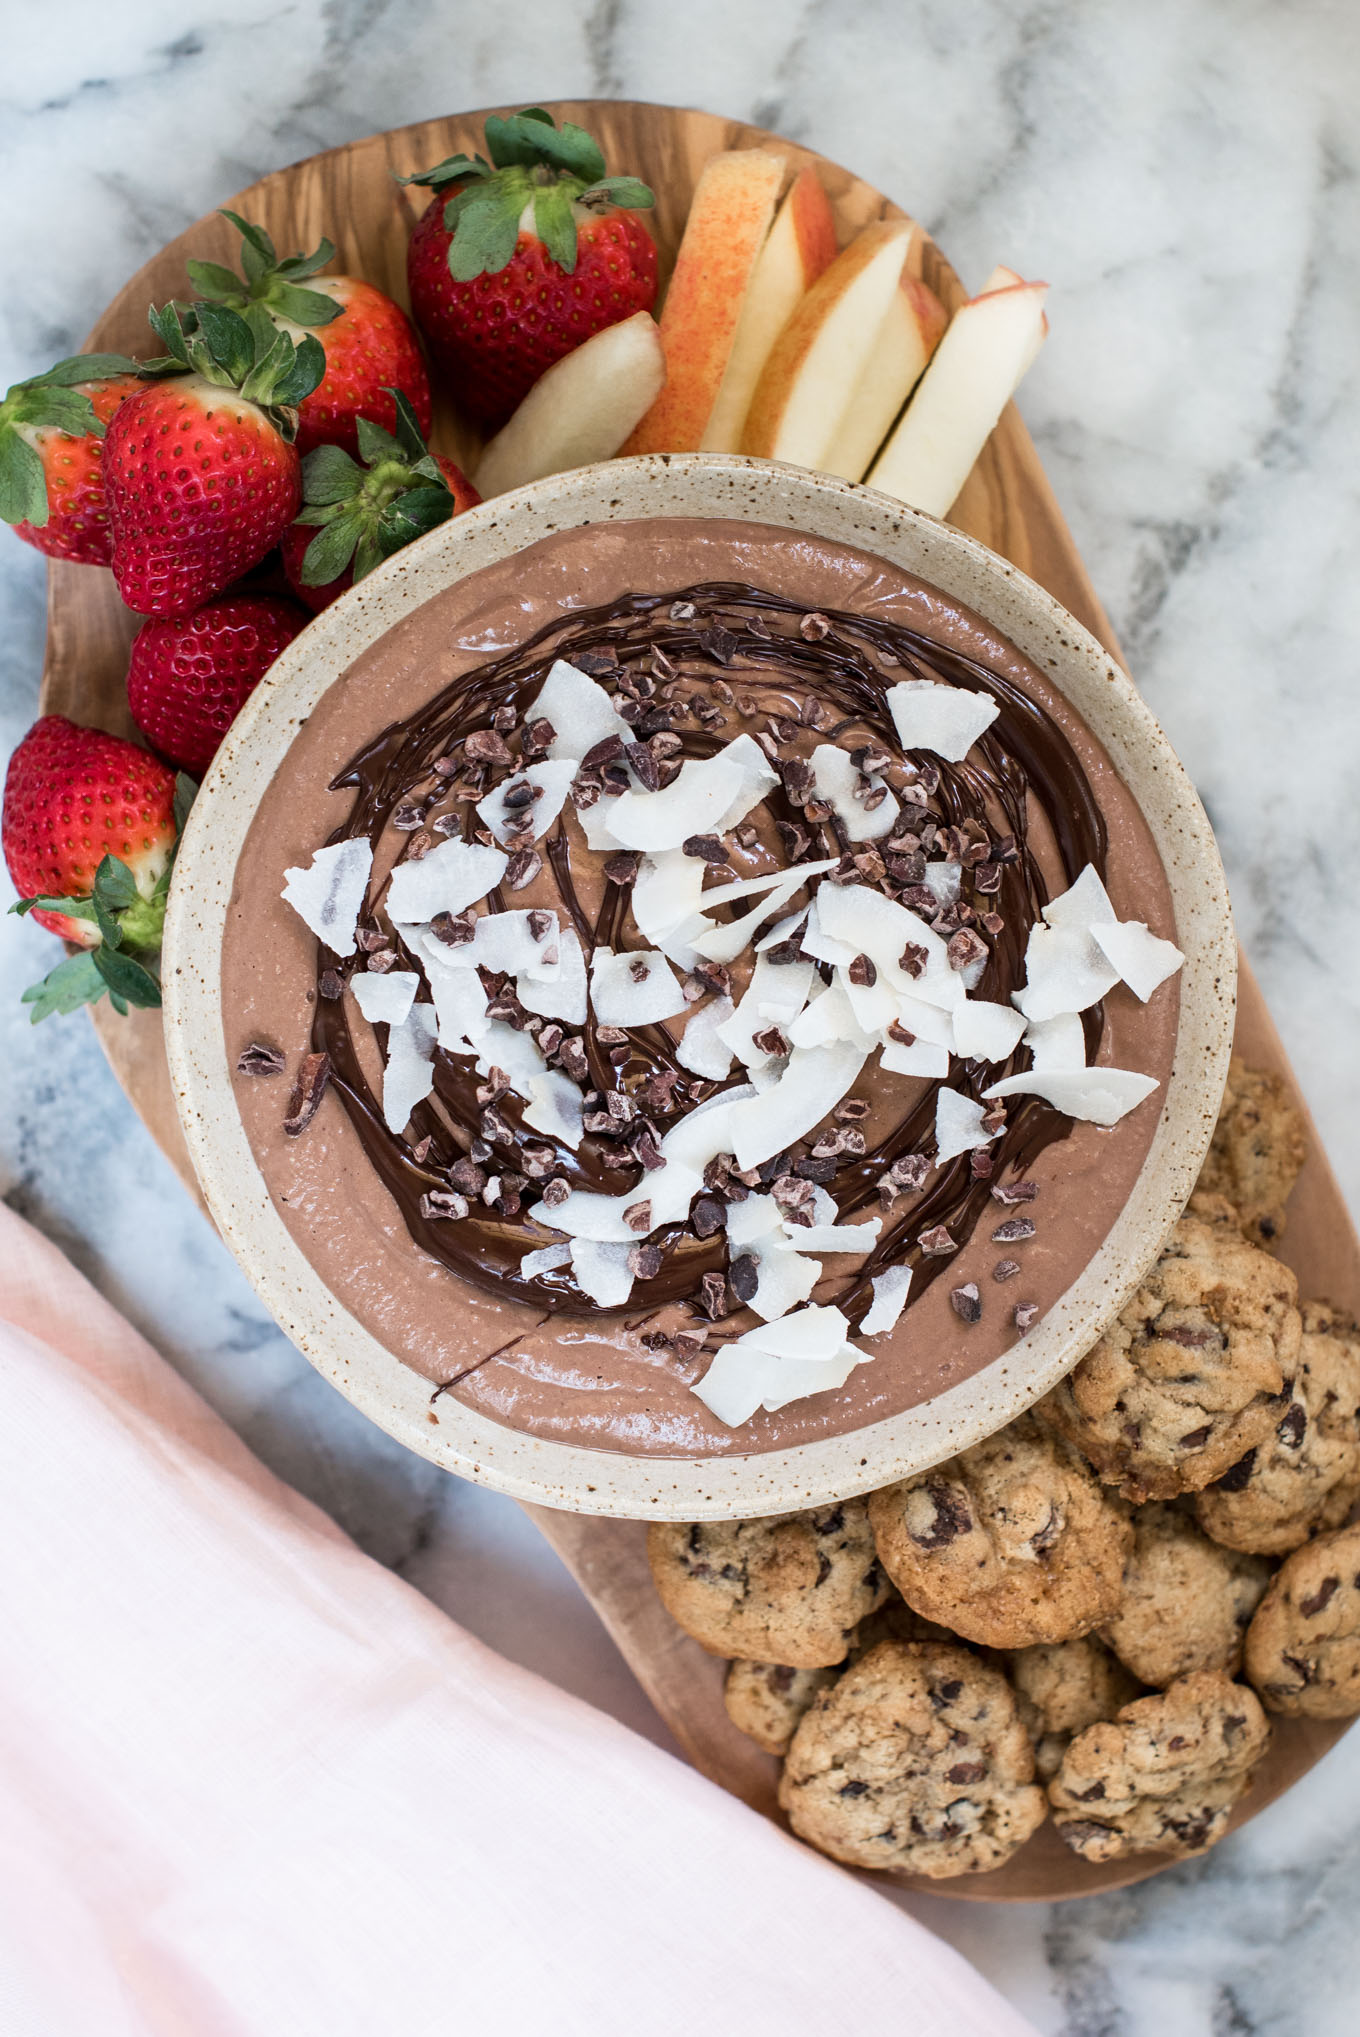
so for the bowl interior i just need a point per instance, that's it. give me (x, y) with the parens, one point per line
(563, 1476)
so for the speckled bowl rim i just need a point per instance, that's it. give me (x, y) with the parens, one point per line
(612, 1482)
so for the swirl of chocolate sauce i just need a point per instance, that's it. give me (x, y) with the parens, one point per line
(732, 652)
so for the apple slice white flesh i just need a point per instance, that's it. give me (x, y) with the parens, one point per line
(1003, 278)
(907, 338)
(729, 219)
(800, 246)
(977, 366)
(581, 410)
(822, 353)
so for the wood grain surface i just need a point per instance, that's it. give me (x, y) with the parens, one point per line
(351, 194)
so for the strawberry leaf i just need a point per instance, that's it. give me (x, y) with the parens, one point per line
(450, 171)
(409, 435)
(413, 514)
(125, 978)
(368, 553)
(74, 982)
(304, 307)
(330, 551)
(211, 280)
(74, 908)
(628, 192)
(78, 368)
(115, 887)
(23, 484)
(488, 228)
(230, 344)
(186, 792)
(555, 225)
(258, 253)
(375, 444)
(330, 475)
(530, 139)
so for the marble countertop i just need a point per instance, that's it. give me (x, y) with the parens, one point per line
(1185, 174)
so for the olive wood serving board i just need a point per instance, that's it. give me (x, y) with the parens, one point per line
(350, 194)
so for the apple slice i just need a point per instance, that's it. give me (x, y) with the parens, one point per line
(906, 340)
(1003, 278)
(729, 219)
(800, 245)
(977, 366)
(823, 351)
(581, 410)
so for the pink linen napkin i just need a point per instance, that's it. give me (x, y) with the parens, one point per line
(253, 1785)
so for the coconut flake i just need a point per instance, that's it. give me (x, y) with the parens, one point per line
(1084, 904)
(1057, 1043)
(328, 894)
(514, 1053)
(874, 1004)
(636, 988)
(547, 1259)
(554, 783)
(775, 995)
(557, 989)
(1064, 972)
(385, 1000)
(927, 1022)
(1098, 1096)
(945, 719)
(829, 1020)
(453, 876)
(503, 941)
(985, 1032)
(666, 893)
(835, 780)
(702, 1134)
(581, 712)
(826, 1234)
(593, 822)
(1142, 959)
(601, 1271)
(408, 1076)
(758, 777)
(814, 1081)
(555, 1109)
(784, 1278)
(944, 880)
(870, 924)
(692, 804)
(702, 1049)
(460, 1004)
(958, 1125)
(890, 1298)
(922, 1058)
(776, 1363)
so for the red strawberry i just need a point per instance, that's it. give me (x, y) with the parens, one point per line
(51, 455)
(200, 475)
(369, 342)
(89, 829)
(498, 301)
(190, 675)
(358, 516)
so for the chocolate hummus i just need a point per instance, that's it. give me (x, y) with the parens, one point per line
(701, 632)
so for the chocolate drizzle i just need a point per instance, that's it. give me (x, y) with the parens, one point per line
(687, 663)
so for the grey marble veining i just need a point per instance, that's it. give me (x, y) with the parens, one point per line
(1185, 174)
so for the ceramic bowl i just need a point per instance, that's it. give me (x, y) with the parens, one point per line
(608, 1482)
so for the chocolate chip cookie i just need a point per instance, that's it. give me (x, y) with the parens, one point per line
(765, 1700)
(1257, 1151)
(916, 1759)
(1187, 1603)
(1163, 1776)
(1194, 1371)
(1303, 1647)
(1062, 1687)
(1009, 1543)
(788, 1589)
(1305, 1476)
